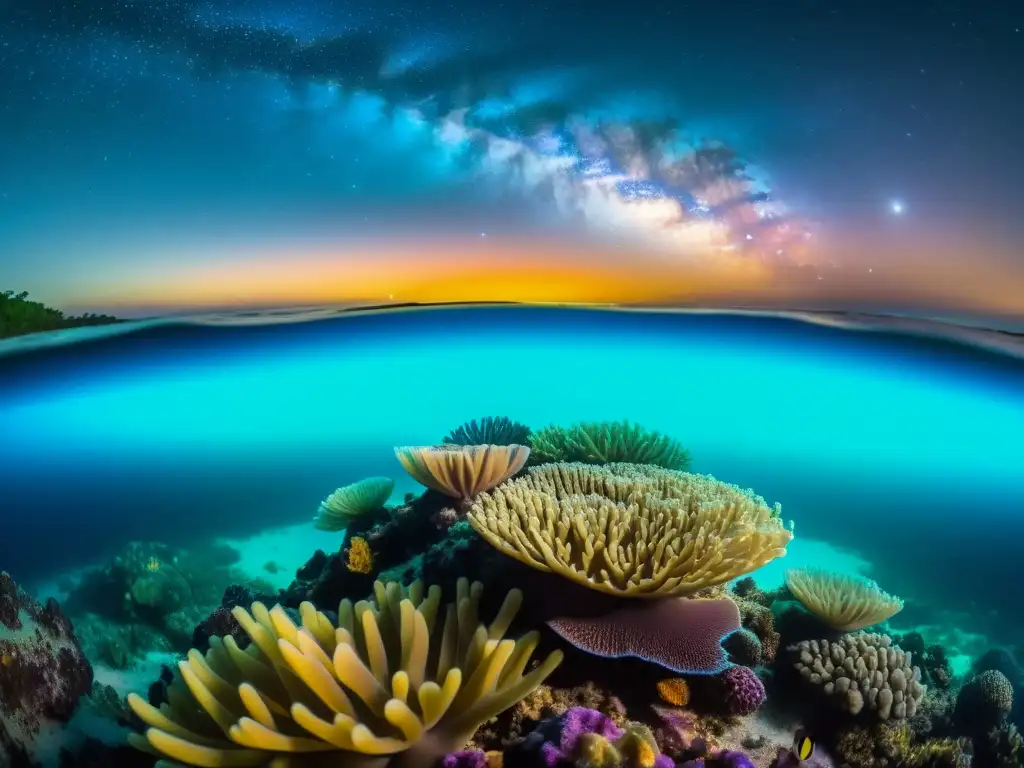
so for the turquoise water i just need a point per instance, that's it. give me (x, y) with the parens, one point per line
(898, 453)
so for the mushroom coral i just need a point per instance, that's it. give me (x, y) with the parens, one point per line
(630, 531)
(462, 471)
(388, 686)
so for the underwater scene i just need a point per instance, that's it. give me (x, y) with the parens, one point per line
(497, 536)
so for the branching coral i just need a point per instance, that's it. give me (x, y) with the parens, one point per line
(846, 603)
(389, 687)
(339, 509)
(490, 430)
(463, 471)
(606, 442)
(622, 532)
(863, 671)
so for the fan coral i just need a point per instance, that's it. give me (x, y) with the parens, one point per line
(627, 533)
(490, 430)
(742, 689)
(846, 603)
(464, 471)
(367, 692)
(339, 509)
(679, 634)
(360, 558)
(863, 670)
(607, 442)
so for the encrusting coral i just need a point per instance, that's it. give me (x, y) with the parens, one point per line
(625, 532)
(845, 603)
(863, 671)
(359, 558)
(392, 685)
(462, 471)
(490, 430)
(337, 511)
(608, 442)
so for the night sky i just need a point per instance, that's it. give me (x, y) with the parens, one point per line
(158, 155)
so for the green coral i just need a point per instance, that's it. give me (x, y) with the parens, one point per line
(605, 442)
(490, 430)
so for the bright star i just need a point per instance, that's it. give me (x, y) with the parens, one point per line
(897, 207)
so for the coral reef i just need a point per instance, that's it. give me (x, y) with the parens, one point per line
(490, 430)
(43, 674)
(606, 443)
(862, 671)
(338, 510)
(368, 689)
(984, 702)
(845, 603)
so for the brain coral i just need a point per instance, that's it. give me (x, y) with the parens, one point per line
(984, 701)
(397, 683)
(627, 531)
(863, 671)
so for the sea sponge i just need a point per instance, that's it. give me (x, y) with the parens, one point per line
(490, 430)
(338, 510)
(863, 671)
(360, 558)
(367, 692)
(462, 471)
(608, 441)
(626, 533)
(845, 603)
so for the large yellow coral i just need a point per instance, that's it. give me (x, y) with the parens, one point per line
(389, 686)
(846, 603)
(627, 530)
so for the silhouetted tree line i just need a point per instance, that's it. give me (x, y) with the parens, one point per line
(19, 315)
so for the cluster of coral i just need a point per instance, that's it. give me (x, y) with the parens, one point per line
(568, 597)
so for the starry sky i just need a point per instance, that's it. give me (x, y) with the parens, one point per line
(170, 155)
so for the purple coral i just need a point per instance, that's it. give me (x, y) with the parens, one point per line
(573, 724)
(743, 690)
(465, 758)
(682, 635)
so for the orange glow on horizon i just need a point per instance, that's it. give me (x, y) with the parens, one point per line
(531, 270)
(523, 272)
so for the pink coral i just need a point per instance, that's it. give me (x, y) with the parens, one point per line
(679, 634)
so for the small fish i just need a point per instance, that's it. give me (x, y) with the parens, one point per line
(805, 753)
